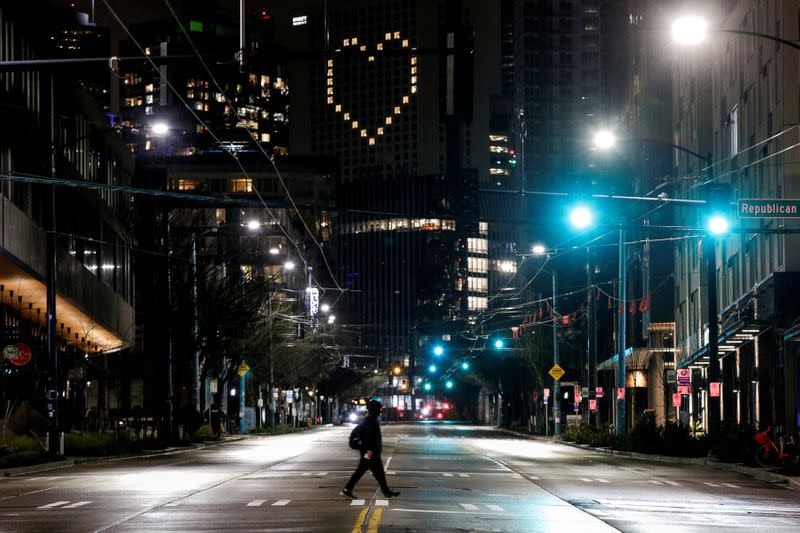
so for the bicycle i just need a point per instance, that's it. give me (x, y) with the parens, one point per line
(769, 454)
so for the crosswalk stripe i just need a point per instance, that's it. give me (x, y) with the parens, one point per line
(711, 484)
(673, 483)
(655, 482)
(76, 505)
(172, 504)
(322, 474)
(731, 485)
(586, 479)
(463, 475)
(496, 508)
(281, 503)
(357, 502)
(51, 505)
(469, 507)
(382, 503)
(447, 474)
(390, 472)
(603, 480)
(256, 503)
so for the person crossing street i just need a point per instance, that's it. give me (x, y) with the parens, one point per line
(369, 445)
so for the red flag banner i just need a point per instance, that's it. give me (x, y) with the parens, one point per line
(633, 308)
(515, 332)
(644, 305)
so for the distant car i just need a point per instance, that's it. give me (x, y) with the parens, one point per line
(351, 417)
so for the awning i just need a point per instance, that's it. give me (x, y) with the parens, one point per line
(732, 338)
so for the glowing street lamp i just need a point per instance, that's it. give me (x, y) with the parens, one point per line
(432, 369)
(539, 249)
(604, 140)
(498, 344)
(289, 265)
(325, 308)
(449, 384)
(689, 30)
(438, 350)
(718, 225)
(427, 386)
(159, 128)
(253, 225)
(581, 217)
(464, 366)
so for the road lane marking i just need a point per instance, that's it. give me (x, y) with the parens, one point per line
(382, 503)
(586, 479)
(256, 503)
(281, 503)
(673, 483)
(654, 482)
(360, 519)
(463, 475)
(517, 476)
(441, 511)
(711, 484)
(496, 508)
(357, 502)
(372, 527)
(470, 507)
(446, 474)
(322, 474)
(387, 463)
(172, 504)
(731, 485)
(391, 472)
(603, 480)
(76, 505)
(51, 505)
(306, 473)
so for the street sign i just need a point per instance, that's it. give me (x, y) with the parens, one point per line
(214, 384)
(768, 208)
(593, 405)
(684, 389)
(676, 400)
(577, 407)
(557, 372)
(713, 389)
(584, 391)
(577, 393)
(598, 392)
(546, 394)
(620, 393)
(672, 376)
(244, 368)
(684, 376)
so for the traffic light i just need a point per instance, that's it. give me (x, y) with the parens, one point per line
(498, 344)
(717, 213)
(465, 366)
(581, 217)
(449, 384)
(438, 350)
(432, 369)
(427, 386)
(404, 385)
(397, 370)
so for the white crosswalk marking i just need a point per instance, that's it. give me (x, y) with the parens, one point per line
(655, 482)
(256, 503)
(381, 503)
(446, 474)
(322, 474)
(673, 483)
(76, 505)
(463, 475)
(172, 504)
(281, 503)
(469, 507)
(306, 473)
(533, 477)
(711, 484)
(603, 480)
(391, 473)
(495, 508)
(51, 505)
(586, 479)
(517, 476)
(357, 502)
(731, 485)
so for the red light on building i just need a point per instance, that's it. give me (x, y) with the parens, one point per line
(446, 406)
(265, 15)
(439, 416)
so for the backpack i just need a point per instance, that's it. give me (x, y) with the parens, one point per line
(356, 437)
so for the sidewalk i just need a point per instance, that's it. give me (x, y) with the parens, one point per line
(793, 482)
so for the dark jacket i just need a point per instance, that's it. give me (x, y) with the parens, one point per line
(371, 435)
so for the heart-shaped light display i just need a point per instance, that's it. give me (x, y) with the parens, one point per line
(370, 135)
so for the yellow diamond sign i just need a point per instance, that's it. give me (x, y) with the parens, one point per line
(244, 368)
(557, 372)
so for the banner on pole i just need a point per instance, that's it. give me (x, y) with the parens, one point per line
(676, 400)
(620, 393)
(713, 389)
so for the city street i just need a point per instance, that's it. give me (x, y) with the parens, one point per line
(451, 478)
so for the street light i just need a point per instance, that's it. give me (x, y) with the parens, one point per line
(432, 369)
(465, 366)
(159, 128)
(427, 386)
(449, 384)
(289, 265)
(498, 344)
(718, 225)
(331, 319)
(438, 350)
(581, 217)
(253, 225)
(325, 308)
(604, 140)
(689, 30)
(539, 249)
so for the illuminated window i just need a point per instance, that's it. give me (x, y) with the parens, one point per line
(505, 266)
(413, 79)
(498, 171)
(363, 48)
(477, 245)
(397, 110)
(388, 120)
(264, 80)
(185, 184)
(413, 60)
(475, 284)
(241, 185)
(387, 36)
(354, 40)
(380, 131)
(413, 89)
(355, 124)
(413, 70)
(371, 59)
(371, 141)
(498, 138)
(498, 149)
(477, 303)
(405, 42)
(363, 133)
(397, 35)
(265, 137)
(338, 107)
(346, 42)
(346, 116)
(330, 81)
(330, 99)
(405, 99)
(379, 46)
(483, 228)
(477, 265)
(330, 90)
(148, 144)
(148, 88)
(330, 62)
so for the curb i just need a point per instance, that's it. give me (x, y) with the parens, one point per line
(763, 475)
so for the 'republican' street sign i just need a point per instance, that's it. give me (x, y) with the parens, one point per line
(768, 208)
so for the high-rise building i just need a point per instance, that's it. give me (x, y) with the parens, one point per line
(401, 98)
(732, 98)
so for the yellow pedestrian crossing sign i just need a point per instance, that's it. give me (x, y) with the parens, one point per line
(557, 372)
(244, 368)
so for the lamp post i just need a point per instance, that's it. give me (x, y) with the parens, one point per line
(691, 30)
(539, 249)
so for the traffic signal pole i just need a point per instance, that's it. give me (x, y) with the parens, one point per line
(556, 384)
(621, 370)
(710, 256)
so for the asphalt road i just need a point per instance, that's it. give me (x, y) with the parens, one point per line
(452, 478)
